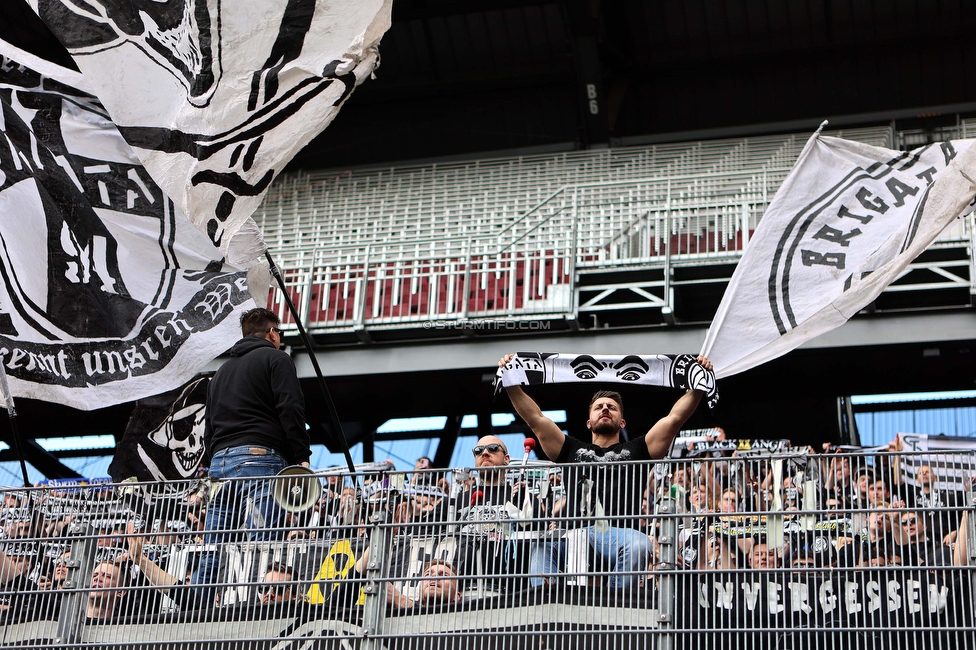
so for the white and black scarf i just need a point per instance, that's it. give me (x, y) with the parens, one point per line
(670, 370)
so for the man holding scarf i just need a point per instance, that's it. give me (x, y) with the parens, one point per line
(607, 495)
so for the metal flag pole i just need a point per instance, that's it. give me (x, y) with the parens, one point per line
(333, 414)
(8, 401)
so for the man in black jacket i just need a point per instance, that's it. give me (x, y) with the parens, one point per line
(255, 427)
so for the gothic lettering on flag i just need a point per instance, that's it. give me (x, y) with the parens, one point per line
(846, 222)
(228, 92)
(107, 293)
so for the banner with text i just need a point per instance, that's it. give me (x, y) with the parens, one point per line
(107, 292)
(846, 222)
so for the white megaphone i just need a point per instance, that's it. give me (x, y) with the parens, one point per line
(296, 488)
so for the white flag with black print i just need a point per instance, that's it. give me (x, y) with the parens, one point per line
(107, 292)
(846, 222)
(215, 96)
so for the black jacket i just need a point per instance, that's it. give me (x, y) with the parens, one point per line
(255, 399)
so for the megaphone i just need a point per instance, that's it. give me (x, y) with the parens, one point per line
(296, 488)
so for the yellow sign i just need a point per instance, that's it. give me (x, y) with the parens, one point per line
(339, 561)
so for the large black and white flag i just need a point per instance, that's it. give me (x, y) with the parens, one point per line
(847, 220)
(215, 97)
(107, 292)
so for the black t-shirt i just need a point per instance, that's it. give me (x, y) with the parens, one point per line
(605, 479)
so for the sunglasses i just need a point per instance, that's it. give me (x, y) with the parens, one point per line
(909, 521)
(279, 590)
(493, 448)
(276, 330)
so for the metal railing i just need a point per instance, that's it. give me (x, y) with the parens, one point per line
(773, 546)
(529, 270)
(506, 239)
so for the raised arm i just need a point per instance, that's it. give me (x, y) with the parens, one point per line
(550, 436)
(659, 438)
(9, 569)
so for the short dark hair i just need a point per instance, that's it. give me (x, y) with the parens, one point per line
(439, 562)
(257, 322)
(280, 567)
(612, 394)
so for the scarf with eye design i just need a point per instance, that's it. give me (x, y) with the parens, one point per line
(669, 370)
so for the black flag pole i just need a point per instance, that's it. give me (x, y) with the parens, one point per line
(8, 400)
(333, 414)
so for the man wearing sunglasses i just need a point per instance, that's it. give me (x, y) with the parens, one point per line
(491, 459)
(601, 492)
(278, 585)
(255, 426)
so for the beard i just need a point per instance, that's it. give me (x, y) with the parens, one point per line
(605, 427)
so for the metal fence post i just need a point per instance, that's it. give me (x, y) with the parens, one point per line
(971, 227)
(467, 281)
(666, 589)
(573, 252)
(359, 319)
(667, 309)
(377, 579)
(74, 605)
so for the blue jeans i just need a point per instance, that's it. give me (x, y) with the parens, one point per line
(240, 510)
(624, 552)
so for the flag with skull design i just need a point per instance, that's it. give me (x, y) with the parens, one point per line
(107, 293)
(164, 438)
(215, 97)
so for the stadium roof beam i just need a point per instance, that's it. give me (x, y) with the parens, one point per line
(583, 23)
(449, 436)
(44, 461)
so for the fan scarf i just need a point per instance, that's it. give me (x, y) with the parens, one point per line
(669, 370)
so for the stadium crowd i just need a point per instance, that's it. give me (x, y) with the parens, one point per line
(457, 535)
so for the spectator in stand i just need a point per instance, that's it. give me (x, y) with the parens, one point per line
(438, 587)
(721, 553)
(255, 426)
(838, 486)
(729, 501)
(878, 555)
(59, 572)
(107, 591)
(278, 585)
(485, 552)
(701, 498)
(915, 547)
(878, 493)
(865, 479)
(763, 557)
(423, 474)
(329, 503)
(13, 569)
(491, 461)
(875, 532)
(627, 550)
(940, 505)
(617, 542)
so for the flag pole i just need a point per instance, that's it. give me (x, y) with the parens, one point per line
(333, 414)
(8, 400)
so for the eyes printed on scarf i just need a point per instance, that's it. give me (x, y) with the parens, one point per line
(631, 368)
(586, 367)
